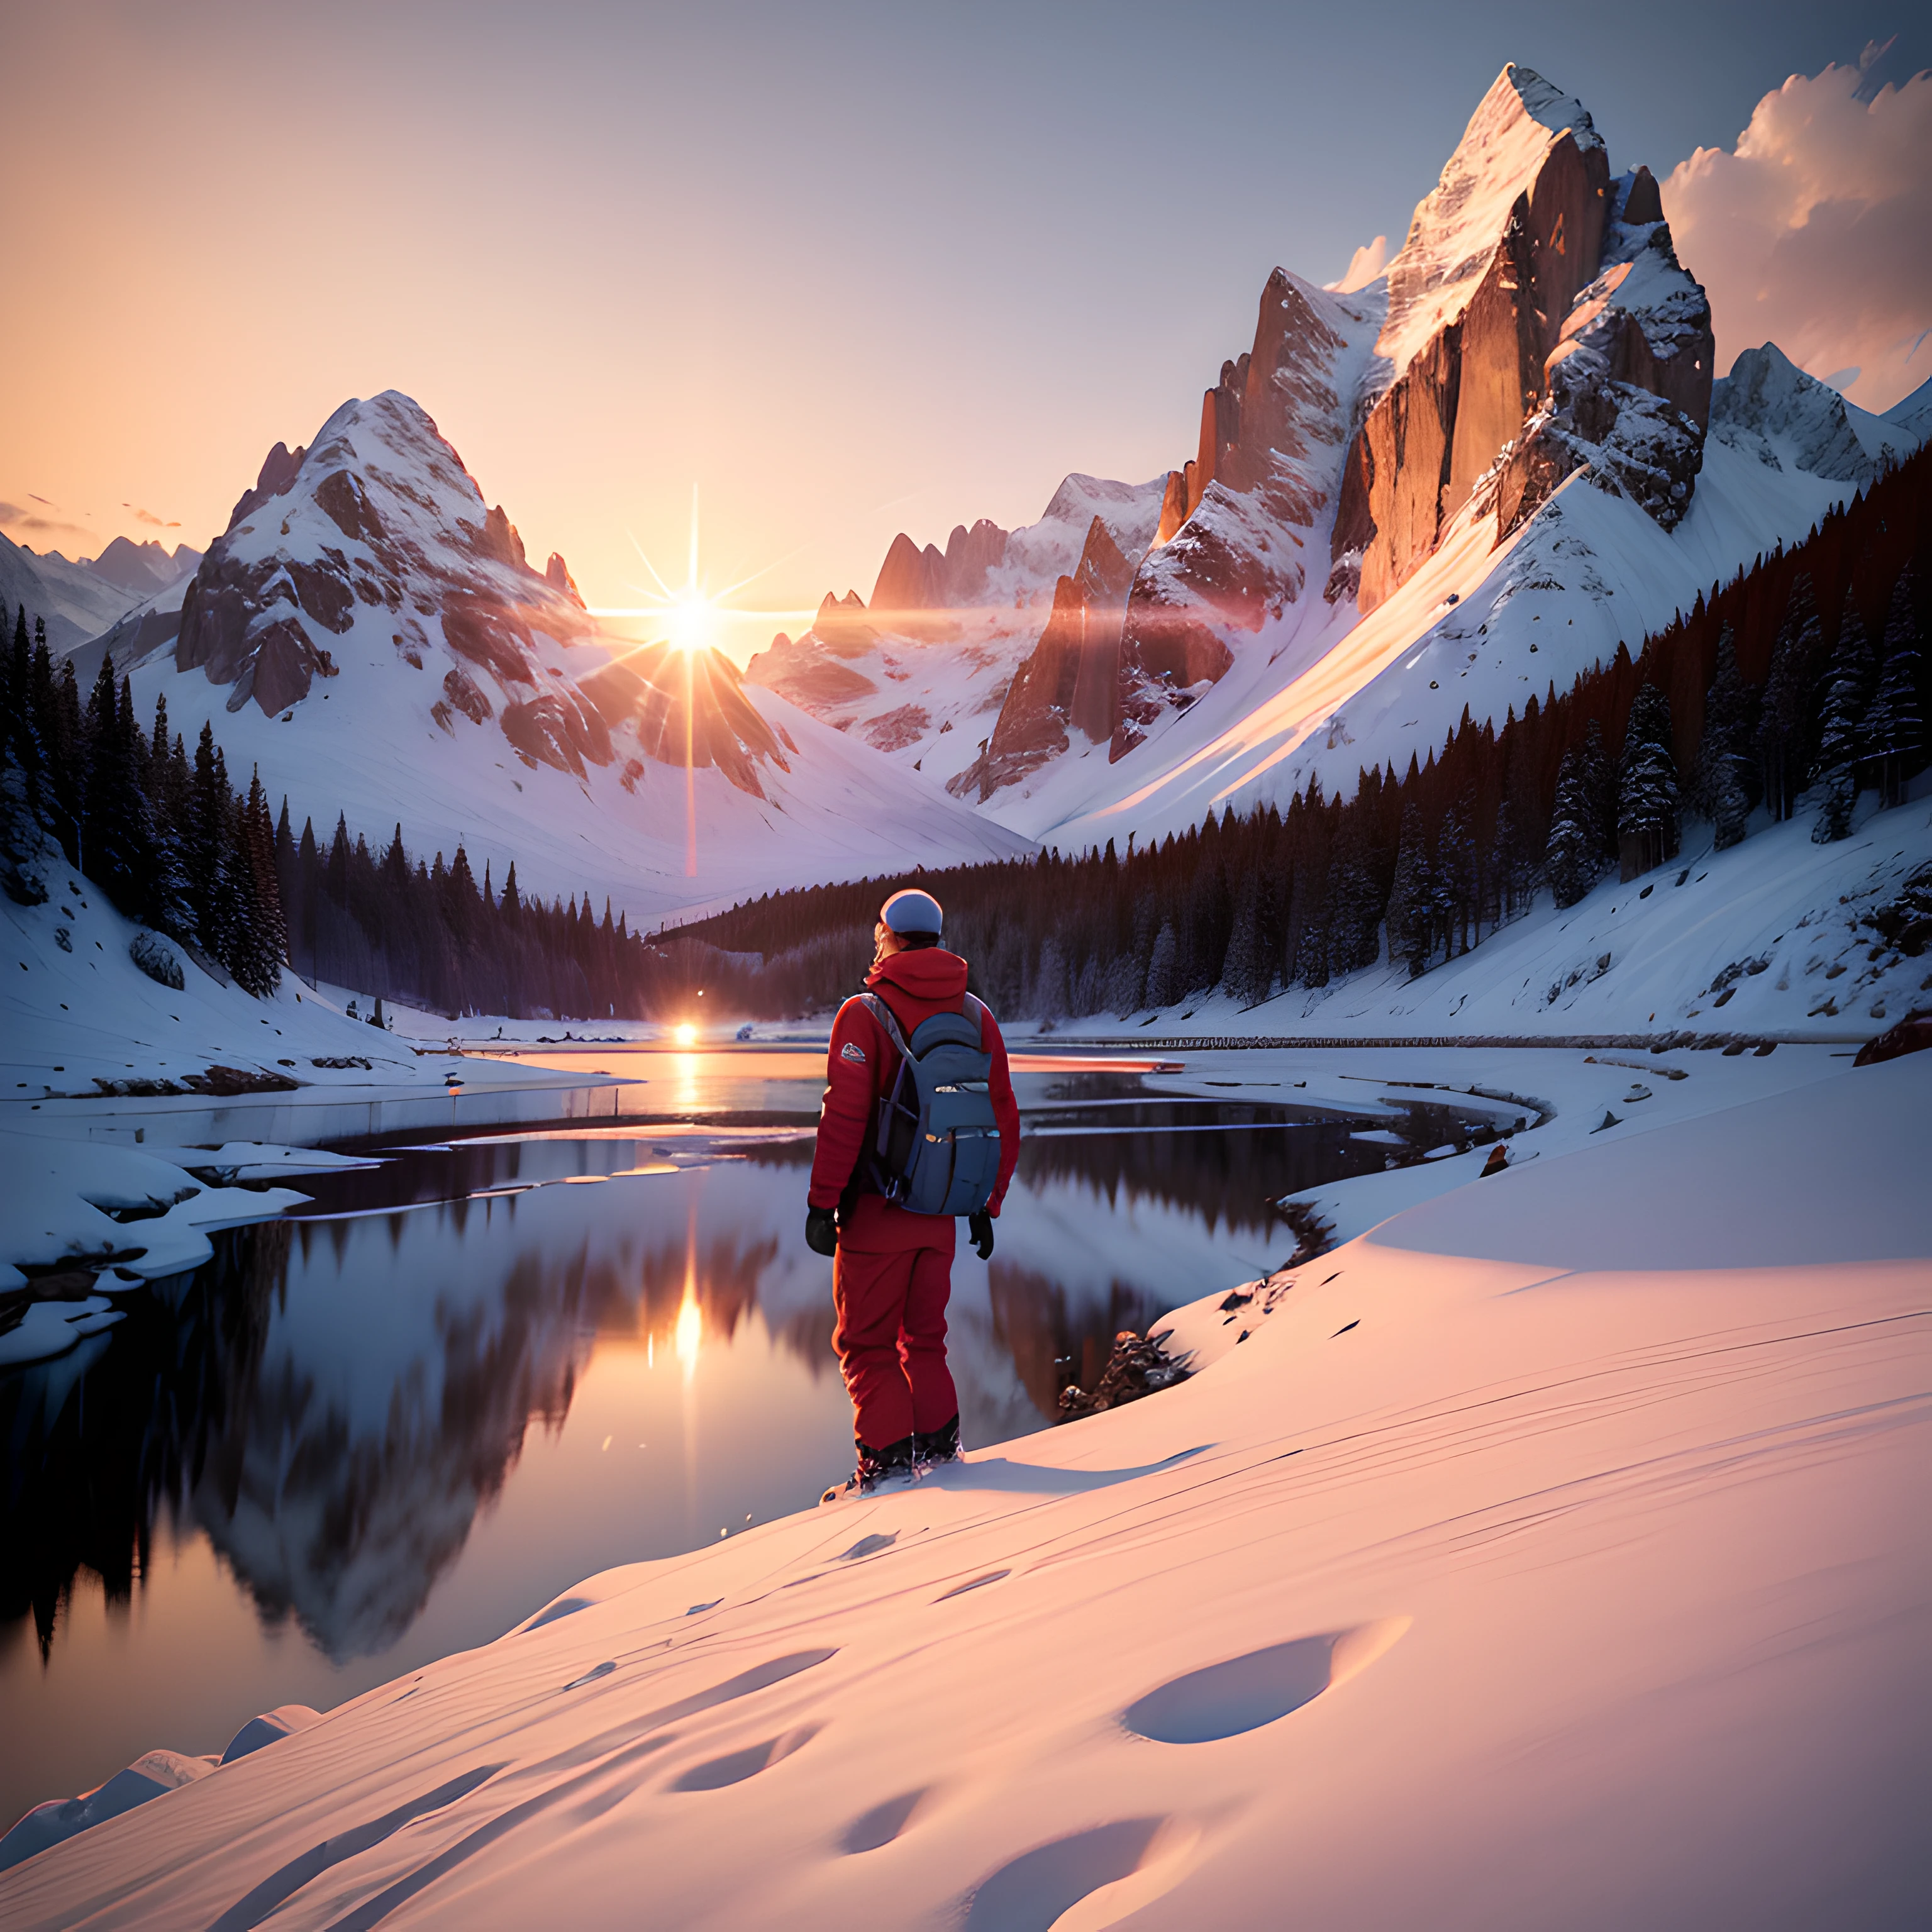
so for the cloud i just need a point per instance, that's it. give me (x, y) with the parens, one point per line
(148, 517)
(1812, 233)
(13, 516)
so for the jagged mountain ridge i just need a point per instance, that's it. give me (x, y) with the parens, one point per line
(143, 569)
(1409, 449)
(373, 636)
(924, 682)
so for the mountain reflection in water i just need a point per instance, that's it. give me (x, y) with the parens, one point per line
(401, 1422)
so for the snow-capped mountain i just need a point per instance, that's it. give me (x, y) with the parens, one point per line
(1913, 414)
(1462, 482)
(1770, 410)
(76, 603)
(143, 569)
(372, 636)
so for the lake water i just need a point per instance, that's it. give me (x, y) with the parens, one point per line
(399, 1420)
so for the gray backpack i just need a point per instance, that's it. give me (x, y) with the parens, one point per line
(936, 1149)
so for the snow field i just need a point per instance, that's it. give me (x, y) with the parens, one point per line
(1763, 940)
(1552, 1554)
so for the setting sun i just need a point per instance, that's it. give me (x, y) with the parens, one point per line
(685, 1035)
(691, 622)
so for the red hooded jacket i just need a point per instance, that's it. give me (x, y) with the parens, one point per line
(862, 1063)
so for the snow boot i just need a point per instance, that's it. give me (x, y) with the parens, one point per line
(877, 1468)
(933, 1448)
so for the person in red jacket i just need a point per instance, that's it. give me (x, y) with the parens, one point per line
(892, 1269)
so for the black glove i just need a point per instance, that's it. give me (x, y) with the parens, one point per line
(821, 1230)
(980, 1228)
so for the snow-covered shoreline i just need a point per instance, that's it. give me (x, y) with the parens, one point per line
(116, 1089)
(1554, 1553)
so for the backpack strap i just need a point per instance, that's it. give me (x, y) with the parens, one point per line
(883, 1013)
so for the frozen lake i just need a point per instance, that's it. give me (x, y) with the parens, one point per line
(396, 1423)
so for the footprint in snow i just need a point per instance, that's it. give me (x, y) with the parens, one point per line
(884, 1822)
(973, 1583)
(1226, 1699)
(1031, 1892)
(734, 1767)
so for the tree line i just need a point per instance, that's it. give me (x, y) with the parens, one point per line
(1805, 676)
(177, 846)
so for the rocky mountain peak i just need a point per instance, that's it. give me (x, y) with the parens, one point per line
(142, 569)
(1526, 139)
(1770, 407)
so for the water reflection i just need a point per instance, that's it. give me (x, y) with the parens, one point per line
(461, 1382)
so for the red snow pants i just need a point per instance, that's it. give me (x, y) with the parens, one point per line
(890, 1281)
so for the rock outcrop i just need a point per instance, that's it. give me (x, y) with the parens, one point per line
(681, 706)
(1626, 387)
(1068, 681)
(378, 515)
(916, 587)
(1538, 321)
(1495, 257)
(1234, 519)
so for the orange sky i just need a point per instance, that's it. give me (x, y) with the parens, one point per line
(847, 269)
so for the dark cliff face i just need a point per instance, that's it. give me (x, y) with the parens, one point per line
(1584, 343)
(1627, 384)
(1068, 681)
(1440, 426)
(1226, 556)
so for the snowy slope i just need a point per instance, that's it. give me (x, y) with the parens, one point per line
(1913, 415)
(1549, 1555)
(1766, 941)
(370, 635)
(77, 1016)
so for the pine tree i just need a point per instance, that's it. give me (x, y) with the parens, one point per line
(1573, 858)
(1847, 693)
(1411, 925)
(1894, 727)
(1452, 899)
(1723, 765)
(1783, 732)
(208, 863)
(261, 940)
(120, 826)
(1354, 907)
(1161, 969)
(1249, 972)
(63, 738)
(1647, 792)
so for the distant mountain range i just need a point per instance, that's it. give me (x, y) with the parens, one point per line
(1457, 486)
(79, 601)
